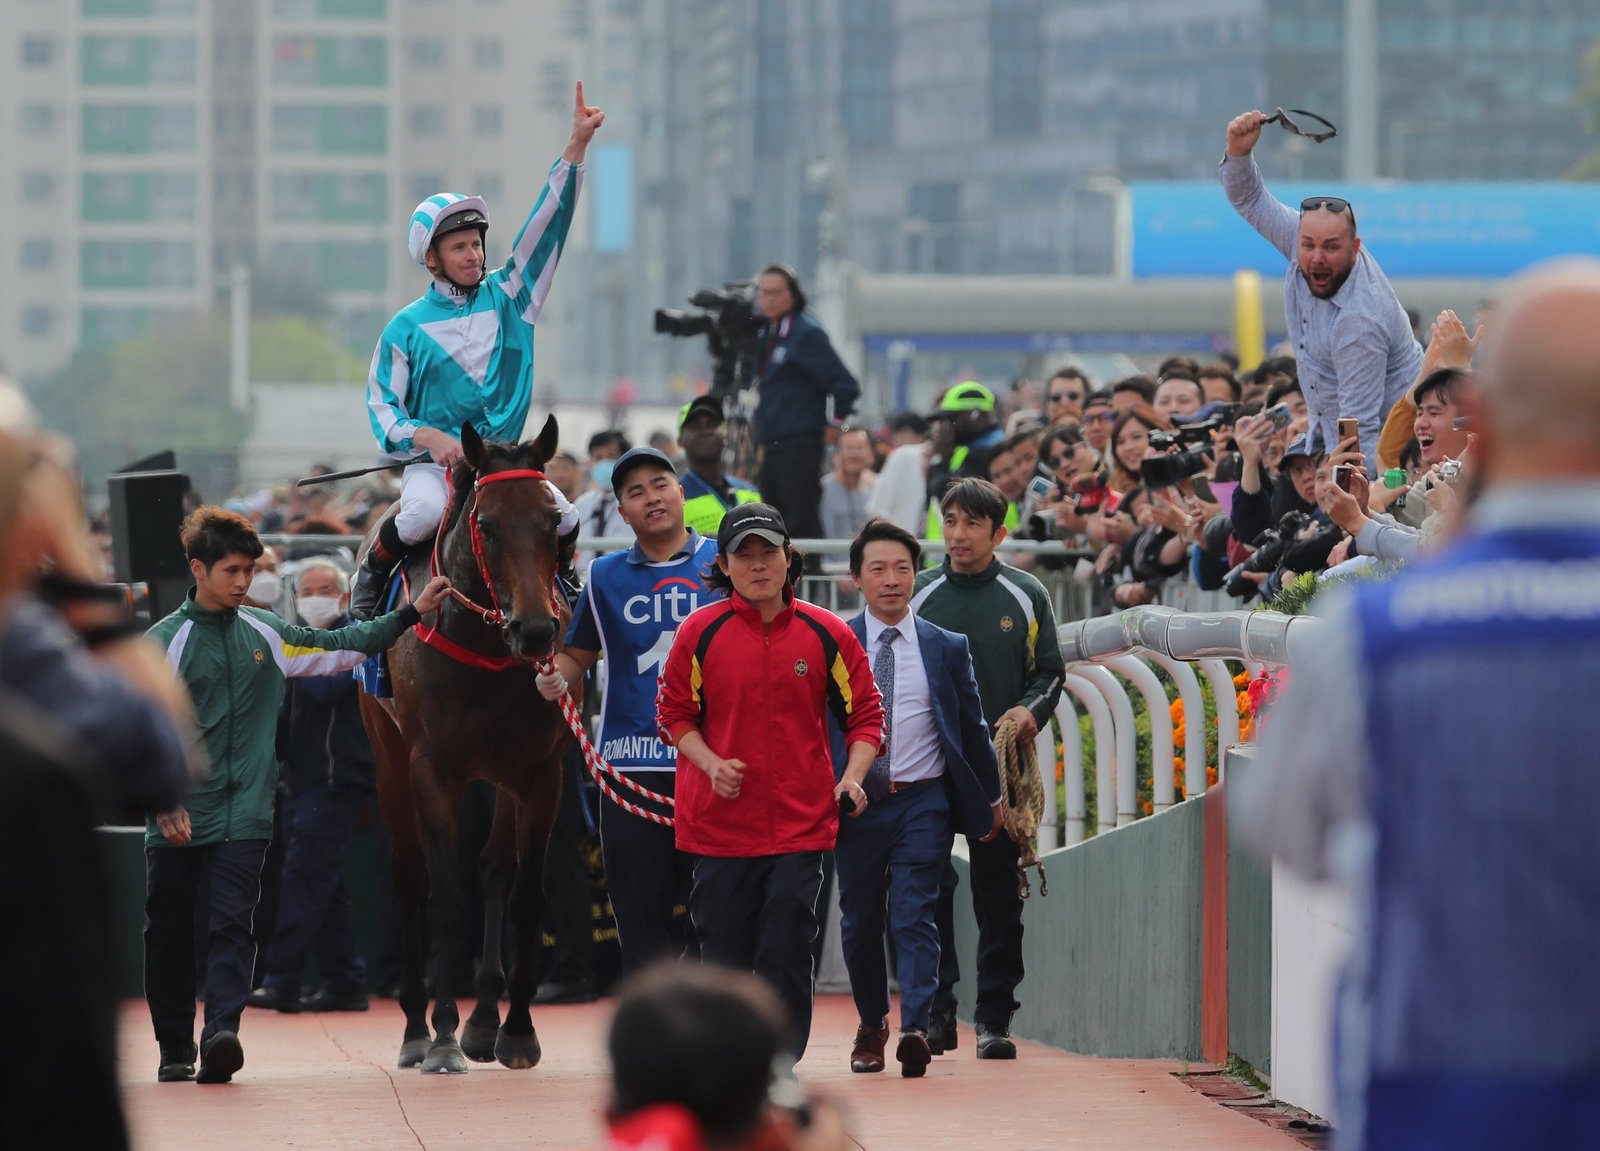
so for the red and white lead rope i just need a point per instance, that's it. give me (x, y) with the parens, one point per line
(599, 768)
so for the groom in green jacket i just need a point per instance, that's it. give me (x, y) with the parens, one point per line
(234, 660)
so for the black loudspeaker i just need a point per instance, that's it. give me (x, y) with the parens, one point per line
(146, 514)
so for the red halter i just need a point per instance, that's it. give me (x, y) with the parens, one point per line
(492, 615)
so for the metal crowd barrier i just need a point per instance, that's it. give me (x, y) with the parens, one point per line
(1133, 644)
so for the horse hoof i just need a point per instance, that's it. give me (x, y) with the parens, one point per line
(445, 1059)
(519, 1052)
(479, 1042)
(414, 1051)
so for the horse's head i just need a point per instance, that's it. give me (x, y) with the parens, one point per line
(506, 537)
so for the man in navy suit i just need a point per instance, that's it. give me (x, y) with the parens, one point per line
(938, 771)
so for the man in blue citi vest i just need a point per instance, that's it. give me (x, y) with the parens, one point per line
(630, 611)
(1435, 750)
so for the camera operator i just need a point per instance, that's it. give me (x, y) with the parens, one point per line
(797, 371)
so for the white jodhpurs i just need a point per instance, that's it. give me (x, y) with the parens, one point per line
(424, 489)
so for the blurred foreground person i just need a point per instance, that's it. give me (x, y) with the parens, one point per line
(692, 1067)
(65, 764)
(1470, 1016)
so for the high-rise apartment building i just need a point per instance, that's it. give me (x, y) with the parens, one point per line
(152, 146)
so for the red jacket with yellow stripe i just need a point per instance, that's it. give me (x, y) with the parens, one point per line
(762, 694)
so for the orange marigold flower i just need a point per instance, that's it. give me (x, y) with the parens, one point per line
(1148, 807)
(1211, 777)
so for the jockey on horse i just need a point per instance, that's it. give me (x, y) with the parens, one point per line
(463, 353)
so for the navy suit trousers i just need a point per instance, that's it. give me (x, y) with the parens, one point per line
(172, 883)
(891, 857)
(315, 914)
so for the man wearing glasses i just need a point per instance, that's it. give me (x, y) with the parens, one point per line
(1064, 394)
(1352, 340)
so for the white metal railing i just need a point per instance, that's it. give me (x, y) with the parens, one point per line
(1132, 645)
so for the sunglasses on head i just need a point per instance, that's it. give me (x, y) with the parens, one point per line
(1100, 417)
(1332, 203)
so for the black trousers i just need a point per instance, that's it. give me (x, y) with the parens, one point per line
(646, 875)
(315, 914)
(172, 881)
(759, 914)
(998, 907)
(791, 481)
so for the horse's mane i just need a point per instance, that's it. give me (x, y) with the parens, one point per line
(498, 456)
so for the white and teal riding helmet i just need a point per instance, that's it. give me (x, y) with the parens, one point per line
(439, 216)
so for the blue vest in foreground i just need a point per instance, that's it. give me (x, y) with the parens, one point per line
(1484, 733)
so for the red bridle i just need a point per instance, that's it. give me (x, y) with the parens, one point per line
(493, 615)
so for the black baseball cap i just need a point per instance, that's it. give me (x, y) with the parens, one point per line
(711, 404)
(751, 519)
(633, 458)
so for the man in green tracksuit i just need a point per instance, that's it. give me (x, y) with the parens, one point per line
(233, 659)
(1008, 620)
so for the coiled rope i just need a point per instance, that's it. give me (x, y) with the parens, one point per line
(1022, 801)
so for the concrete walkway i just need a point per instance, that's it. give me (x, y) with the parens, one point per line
(329, 1082)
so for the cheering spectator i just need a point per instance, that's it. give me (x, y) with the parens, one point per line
(1355, 352)
(1130, 442)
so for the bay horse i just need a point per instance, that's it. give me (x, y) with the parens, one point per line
(465, 707)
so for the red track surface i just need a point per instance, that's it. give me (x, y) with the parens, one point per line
(329, 1082)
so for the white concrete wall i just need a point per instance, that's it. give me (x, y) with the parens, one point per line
(1313, 928)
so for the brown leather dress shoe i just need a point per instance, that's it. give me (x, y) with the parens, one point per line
(913, 1053)
(867, 1054)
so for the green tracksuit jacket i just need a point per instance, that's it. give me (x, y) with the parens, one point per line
(1006, 616)
(234, 663)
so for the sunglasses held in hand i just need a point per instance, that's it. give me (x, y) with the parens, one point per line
(1291, 125)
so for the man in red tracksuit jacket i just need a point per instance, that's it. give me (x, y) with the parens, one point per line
(744, 697)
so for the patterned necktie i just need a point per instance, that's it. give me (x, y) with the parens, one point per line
(878, 776)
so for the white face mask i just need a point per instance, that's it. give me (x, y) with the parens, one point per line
(319, 610)
(264, 587)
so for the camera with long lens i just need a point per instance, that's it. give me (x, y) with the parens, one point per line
(728, 319)
(1171, 468)
(1270, 547)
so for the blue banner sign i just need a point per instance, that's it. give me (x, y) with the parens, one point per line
(1464, 230)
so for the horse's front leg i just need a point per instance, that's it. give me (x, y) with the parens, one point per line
(495, 867)
(408, 872)
(438, 815)
(518, 1044)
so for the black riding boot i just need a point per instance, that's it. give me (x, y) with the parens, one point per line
(387, 550)
(567, 569)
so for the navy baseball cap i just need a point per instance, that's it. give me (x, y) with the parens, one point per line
(751, 520)
(1307, 443)
(633, 458)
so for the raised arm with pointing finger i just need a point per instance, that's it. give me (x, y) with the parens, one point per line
(462, 353)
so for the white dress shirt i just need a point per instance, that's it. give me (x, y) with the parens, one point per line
(914, 751)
